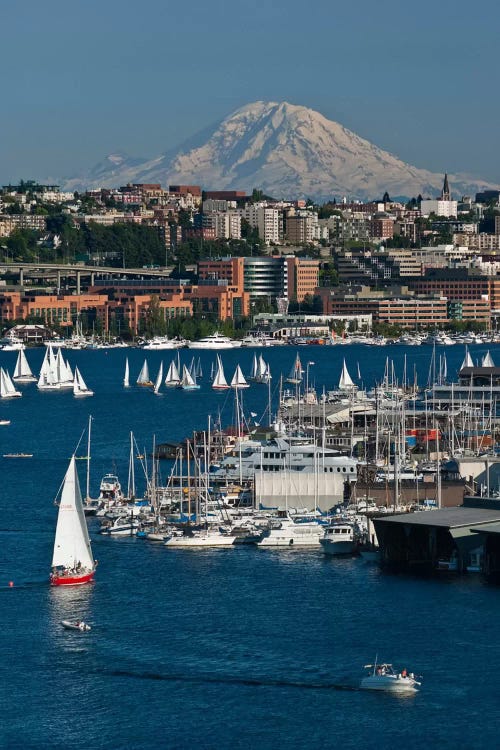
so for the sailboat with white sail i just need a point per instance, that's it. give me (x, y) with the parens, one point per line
(7, 388)
(238, 380)
(263, 372)
(72, 560)
(172, 378)
(79, 385)
(144, 378)
(346, 382)
(220, 383)
(188, 381)
(47, 380)
(63, 371)
(126, 376)
(22, 370)
(158, 381)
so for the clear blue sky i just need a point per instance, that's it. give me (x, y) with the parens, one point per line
(83, 79)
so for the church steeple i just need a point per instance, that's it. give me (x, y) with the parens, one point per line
(445, 192)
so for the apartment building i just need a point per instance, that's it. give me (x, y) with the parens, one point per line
(302, 229)
(265, 219)
(10, 222)
(302, 277)
(382, 227)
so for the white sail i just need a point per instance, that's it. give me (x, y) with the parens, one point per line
(79, 385)
(238, 380)
(159, 379)
(220, 382)
(143, 378)
(187, 380)
(126, 377)
(7, 388)
(467, 360)
(487, 360)
(172, 377)
(261, 367)
(69, 371)
(345, 379)
(22, 370)
(267, 374)
(72, 543)
(254, 371)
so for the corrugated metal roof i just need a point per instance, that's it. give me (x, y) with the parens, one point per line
(448, 518)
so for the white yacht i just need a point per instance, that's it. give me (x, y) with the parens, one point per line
(292, 531)
(249, 456)
(214, 341)
(159, 343)
(210, 537)
(339, 539)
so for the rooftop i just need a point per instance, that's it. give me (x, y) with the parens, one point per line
(448, 518)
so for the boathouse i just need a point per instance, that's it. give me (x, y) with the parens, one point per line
(419, 541)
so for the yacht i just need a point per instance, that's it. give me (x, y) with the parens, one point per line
(249, 456)
(159, 343)
(339, 539)
(214, 341)
(210, 537)
(292, 531)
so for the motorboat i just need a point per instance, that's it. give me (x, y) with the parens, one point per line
(448, 563)
(79, 625)
(214, 341)
(339, 539)
(121, 526)
(210, 537)
(291, 532)
(385, 677)
(160, 343)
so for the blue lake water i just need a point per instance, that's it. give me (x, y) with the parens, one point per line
(219, 648)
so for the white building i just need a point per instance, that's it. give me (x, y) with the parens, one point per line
(265, 219)
(439, 208)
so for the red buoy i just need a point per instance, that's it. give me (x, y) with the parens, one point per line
(11, 584)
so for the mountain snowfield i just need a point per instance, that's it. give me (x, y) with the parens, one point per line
(286, 150)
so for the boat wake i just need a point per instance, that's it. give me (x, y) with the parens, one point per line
(225, 680)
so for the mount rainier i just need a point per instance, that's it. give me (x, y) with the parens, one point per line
(286, 150)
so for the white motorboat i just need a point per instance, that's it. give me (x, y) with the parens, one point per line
(384, 677)
(214, 341)
(79, 625)
(339, 539)
(291, 532)
(211, 537)
(121, 526)
(159, 343)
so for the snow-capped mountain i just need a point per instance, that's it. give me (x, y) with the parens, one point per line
(286, 150)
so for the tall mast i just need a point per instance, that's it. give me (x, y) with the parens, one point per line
(88, 459)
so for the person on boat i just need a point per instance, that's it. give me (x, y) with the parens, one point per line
(404, 673)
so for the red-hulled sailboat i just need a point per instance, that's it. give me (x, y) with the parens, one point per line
(72, 562)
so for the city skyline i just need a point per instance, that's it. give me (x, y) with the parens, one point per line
(89, 80)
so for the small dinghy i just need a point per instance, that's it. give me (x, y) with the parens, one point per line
(385, 677)
(78, 625)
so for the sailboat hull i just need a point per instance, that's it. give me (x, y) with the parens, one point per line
(74, 580)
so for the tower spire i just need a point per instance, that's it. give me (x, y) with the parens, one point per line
(445, 193)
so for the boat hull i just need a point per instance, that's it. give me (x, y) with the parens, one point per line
(401, 685)
(338, 548)
(73, 580)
